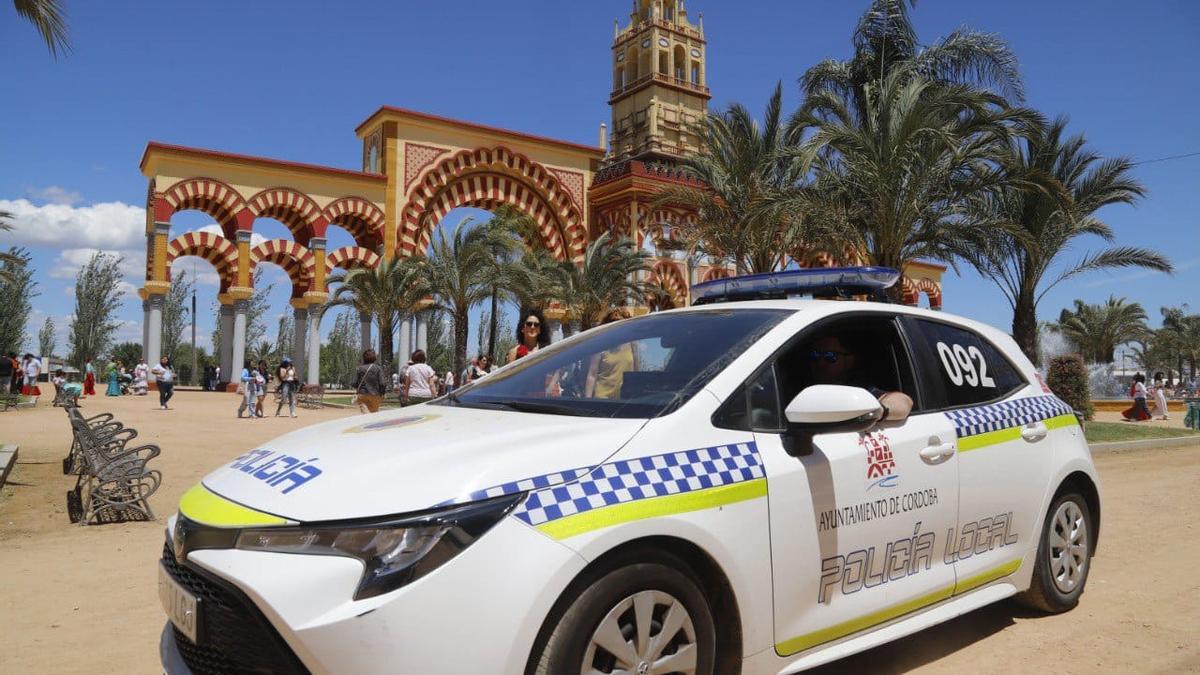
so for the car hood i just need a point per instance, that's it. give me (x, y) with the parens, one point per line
(412, 459)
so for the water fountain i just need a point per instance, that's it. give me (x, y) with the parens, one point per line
(1102, 381)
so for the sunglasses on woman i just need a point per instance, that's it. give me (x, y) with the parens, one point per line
(532, 324)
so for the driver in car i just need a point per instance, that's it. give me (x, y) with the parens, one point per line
(832, 361)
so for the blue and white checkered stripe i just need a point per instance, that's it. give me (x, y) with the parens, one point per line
(642, 478)
(530, 484)
(1006, 414)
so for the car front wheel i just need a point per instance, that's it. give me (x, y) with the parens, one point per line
(643, 619)
(1064, 556)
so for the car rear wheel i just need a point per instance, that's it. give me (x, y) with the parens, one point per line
(644, 618)
(1064, 556)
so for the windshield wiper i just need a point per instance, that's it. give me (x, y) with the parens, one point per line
(528, 406)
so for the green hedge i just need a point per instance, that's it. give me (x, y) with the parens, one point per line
(1067, 377)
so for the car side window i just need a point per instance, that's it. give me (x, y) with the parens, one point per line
(754, 406)
(961, 368)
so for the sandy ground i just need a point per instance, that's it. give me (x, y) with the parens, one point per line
(83, 599)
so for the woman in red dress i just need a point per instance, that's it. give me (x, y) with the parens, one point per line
(1139, 412)
(532, 334)
(89, 380)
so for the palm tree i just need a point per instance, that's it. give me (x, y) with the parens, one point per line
(885, 40)
(9, 260)
(508, 233)
(48, 17)
(1181, 335)
(899, 172)
(459, 273)
(609, 275)
(385, 293)
(1097, 330)
(741, 166)
(1032, 221)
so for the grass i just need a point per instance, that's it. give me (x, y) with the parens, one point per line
(1104, 432)
(388, 402)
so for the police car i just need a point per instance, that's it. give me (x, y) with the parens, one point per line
(755, 486)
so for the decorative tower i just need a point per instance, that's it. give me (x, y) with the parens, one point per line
(659, 88)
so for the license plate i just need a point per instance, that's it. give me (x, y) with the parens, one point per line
(183, 609)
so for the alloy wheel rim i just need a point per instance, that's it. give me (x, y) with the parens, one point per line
(647, 633)
(1067, 537)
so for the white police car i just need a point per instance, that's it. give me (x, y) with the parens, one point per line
(709, 490)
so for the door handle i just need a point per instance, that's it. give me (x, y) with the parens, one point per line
(1034, 431)
(937, 451)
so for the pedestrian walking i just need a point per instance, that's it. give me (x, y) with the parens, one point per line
(287, 387)
(164, 375)
(249, 390)
(1159, 392)
(7, 371)
(141, 377)
(1138, 412)
(421, 381)
(111, 377)
(31, 368)
(89, 378)
(369, 383)
(262, 379)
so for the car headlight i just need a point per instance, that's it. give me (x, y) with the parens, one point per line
(394, 551)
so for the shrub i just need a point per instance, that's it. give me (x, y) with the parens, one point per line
(1067, 377)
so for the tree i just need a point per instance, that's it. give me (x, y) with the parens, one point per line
(10, 259)
(175, 315)
(128, 353)
(740, 170)
(1097, 330)
(184, 363)
(900, 172)
(440, 356)
(508, 233)
(48, 17)
(98, 297)
(386, 293)
(1030, 223)
(285, 334)
(340, 355)
(46, 339)
(1067, 377)
(609, 276)
(459, 273)
(257, 306)
(1180, 334)
(17, 290)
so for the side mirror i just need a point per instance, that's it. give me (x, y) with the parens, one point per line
(828, 408)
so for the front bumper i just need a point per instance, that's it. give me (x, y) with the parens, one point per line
(478, 613)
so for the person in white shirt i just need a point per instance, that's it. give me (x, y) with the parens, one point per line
(165, 376)
(141, 375)
(420, 381)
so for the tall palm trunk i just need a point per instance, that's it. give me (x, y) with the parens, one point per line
(1024, 326)
(385, 339)
(460, 340)
(491, 347)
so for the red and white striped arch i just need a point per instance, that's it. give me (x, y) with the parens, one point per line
(485, 178)
(296, 261)
(295, 210)
(360, 217)
(670, 277)
(212, 197)
(715, 273)
(932, 291)
(214, 248)
(660, 224)
(351, 257)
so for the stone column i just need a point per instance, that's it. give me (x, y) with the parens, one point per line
(154, 328)
(554, 318)
(405, 343)
(145, 327)
(364, 328)
(423, 331)
(238, 351)
(226, 347)
(313, 376)
(299, 340)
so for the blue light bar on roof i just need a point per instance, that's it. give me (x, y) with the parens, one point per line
(820, 282)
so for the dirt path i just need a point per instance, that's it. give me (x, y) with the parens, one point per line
(78, 599)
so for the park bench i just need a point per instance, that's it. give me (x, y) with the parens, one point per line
(311, 396)
(114, 484)
(103, 426)
(64, 398)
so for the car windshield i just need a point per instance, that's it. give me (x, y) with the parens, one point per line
(637, 368)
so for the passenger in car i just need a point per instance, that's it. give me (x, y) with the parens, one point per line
(833, 359)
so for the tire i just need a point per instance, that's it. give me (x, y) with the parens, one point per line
(615, 602)
(1061, 571)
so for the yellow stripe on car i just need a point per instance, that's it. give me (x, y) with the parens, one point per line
(1010, 434)
(698, 500)
(810, 640)
(205, 506)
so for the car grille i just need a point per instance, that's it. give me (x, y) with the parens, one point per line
(234, 635)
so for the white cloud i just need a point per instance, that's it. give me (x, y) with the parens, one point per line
(255, 238)
(111, 225)
(202, 272)
(70, 261)
(55, 194)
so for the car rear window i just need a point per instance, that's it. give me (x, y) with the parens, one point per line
(960, 367)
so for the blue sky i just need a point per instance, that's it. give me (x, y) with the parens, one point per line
(292, 79)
